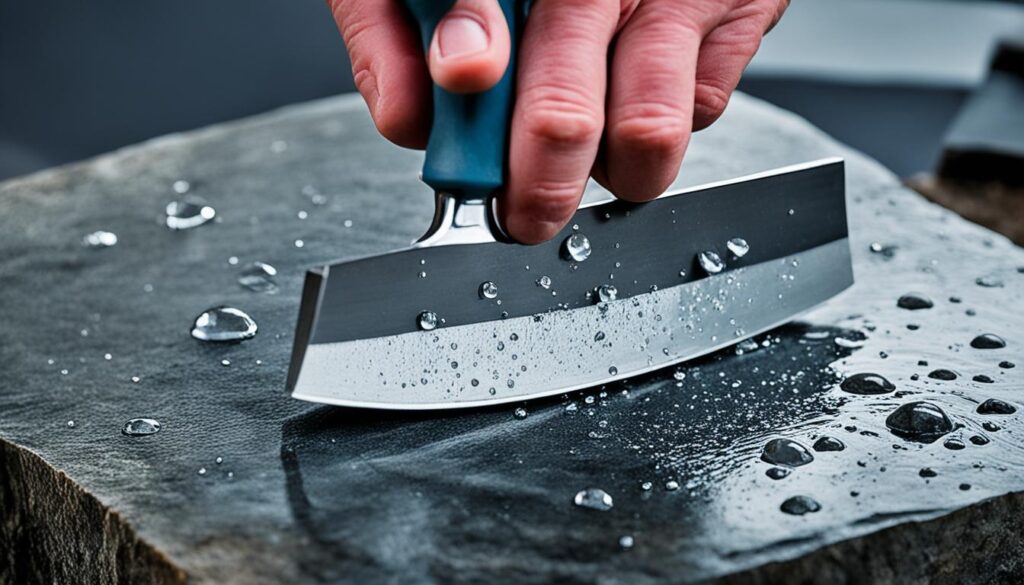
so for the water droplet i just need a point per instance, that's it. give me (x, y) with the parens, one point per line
(791, 211)
(520, 413)
(626, 542)
(427, 320)
(544, 282)
(594, 499)
(613, 370)
(138, 427)
(223, 324)
(964, 487)
(914, 302)
(996, 406)
(188, 213)
(927, 472)
(990, 426)
(1006, 365)
(607, 293)
(989, 281)
(300, 244)
(885, 250)
(710, 261)
(738, 247)
(671, 485)
(576, 247)
(100, 239)
(786, 452)
(942, 374)
(848, 343)
(71, 424)
(867, 383)
(258, 277)
(679, 375)
(954, 444)
(825, 444)
(599, 336)
(979, 440)
(302, 214)
(922, 422)
(800, 505)
(988, 341)
(225, 362)
(202, 471)
(108, 357)
(136, 379)
(982, 378)
(488, 290)
(778, 473)
(181, 187)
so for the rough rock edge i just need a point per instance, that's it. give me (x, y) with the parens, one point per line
(53, 531)
(982, 543)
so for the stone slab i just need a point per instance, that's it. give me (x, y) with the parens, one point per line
(305, 493)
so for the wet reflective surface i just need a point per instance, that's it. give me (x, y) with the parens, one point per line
(306, 493)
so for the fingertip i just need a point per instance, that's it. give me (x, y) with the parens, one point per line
(471, 47)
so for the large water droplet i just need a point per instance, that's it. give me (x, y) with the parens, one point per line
(738, 247)
(914, 302)
(922, 422)
(826, 443)
(100, 239)
(607, 293)
(996, 406)
(594, 499)
(711, 262)
(576, 247)
(800, 505)
(427, 320)
(544, 282)
(786, 452)
(138, 427)
(988, 341)
(488, 290)
(778, 472)
(942, 374)
(188, 213)
(867, 383)
(223, 324)
(258, 277)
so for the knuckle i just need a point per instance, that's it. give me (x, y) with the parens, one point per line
(556, 116)
(710, 102)
(551, 202)
(658, 129)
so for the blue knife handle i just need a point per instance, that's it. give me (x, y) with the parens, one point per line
(468, 143)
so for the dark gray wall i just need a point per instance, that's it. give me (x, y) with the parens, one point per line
(80, 78)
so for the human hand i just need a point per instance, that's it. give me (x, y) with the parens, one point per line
(604, 88)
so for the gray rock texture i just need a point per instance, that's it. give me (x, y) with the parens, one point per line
(245, 485)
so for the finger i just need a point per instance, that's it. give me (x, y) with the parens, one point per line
(470, 48)
(650, 107)
(387, 64)
(559, 114)
(725, 54)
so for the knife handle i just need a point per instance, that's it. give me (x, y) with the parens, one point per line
(468, 142)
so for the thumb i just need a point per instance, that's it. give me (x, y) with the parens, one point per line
(470, 49)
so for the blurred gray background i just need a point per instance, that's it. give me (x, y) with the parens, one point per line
(81, 78)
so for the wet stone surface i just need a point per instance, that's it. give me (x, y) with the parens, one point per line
(243, 484)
